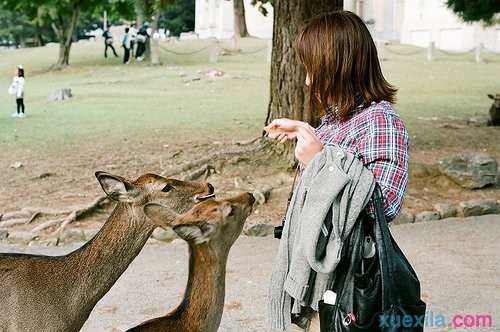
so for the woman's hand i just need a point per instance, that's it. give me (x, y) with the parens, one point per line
(308, 144)
(282, 130)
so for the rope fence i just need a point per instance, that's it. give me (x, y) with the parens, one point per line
(432, 52)
(215, 49)
(480, 52)
(183, 53)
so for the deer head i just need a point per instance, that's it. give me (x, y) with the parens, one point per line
(217, 222)
(496, 99)
(177, 195)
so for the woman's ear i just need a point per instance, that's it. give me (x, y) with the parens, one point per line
(160, 214)
(116, 187)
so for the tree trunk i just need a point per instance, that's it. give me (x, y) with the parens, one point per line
(65, 36)
(287, 74)
(139, 10)
(240, 25)
(155, 47)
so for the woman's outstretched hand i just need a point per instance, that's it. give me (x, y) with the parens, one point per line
(308, 144)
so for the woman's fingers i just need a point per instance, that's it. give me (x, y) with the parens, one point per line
(282, 138)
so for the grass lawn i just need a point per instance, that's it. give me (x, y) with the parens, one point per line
(134, 118)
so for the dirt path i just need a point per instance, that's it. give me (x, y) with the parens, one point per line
(457, 261)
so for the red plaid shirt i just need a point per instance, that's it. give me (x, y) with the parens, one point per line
(378, 137)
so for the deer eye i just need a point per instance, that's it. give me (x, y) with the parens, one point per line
(167, 188)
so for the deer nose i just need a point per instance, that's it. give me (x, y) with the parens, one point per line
(251, 198)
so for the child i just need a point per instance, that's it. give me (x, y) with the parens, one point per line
(17, 89)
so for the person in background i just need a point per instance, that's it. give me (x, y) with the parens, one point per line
(108, 43)
(126, 46)
(133, 38)
(17, 89)
(142, 37)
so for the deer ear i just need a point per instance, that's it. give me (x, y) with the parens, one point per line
(160, 214)
(116, 187)
(491, 96)
(198, 234)
(226, 209)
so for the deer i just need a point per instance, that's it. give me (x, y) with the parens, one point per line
(210, 228)
(495, 109)
(58, 293)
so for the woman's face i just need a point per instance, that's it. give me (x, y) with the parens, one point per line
(308, 81)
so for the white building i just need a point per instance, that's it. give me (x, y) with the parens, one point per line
(215, 18)
(415, 22)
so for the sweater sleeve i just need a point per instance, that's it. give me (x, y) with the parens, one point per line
(385, 153)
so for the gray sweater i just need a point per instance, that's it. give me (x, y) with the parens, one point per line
(333, 179)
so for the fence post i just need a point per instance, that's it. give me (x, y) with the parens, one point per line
(477, 54)
(269, 50)
(430, 51)
(214, 53)
(381, 50)
(235, 45)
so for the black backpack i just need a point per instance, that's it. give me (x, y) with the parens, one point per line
(381, 293)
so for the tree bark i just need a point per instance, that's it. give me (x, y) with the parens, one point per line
(139, 10)
(240, 25)
(287, 74)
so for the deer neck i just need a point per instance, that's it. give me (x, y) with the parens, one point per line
(100, 262)
(203, 302)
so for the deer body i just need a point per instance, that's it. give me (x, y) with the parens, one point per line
(210, 234)
(202, 306)
(44, 293)
(58, 293)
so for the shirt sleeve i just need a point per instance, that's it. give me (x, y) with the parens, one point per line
(385, 153)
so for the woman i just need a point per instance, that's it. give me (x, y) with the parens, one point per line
(17, 89)
(347, 88)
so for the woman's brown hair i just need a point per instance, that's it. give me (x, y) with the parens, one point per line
(341, 60)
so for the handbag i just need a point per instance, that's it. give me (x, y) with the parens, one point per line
(12, 89)
(380, 293)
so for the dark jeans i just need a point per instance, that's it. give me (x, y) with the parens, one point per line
(126, 54)
(141, 47)
(106, 49)
(20, 105)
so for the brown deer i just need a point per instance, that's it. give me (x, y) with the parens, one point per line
(495, 109)
(45, 293)
(210, 228)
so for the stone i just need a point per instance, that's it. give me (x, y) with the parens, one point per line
(427, 216)
(479, 207)
(478, 121)
(164, 234)
(472, 171)
(22, 237)
(60, 95)
(404, 217)
(72, 235)
(446, 210)
(259, 230)
(3, 234)
(17, 165)
(418, 170)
